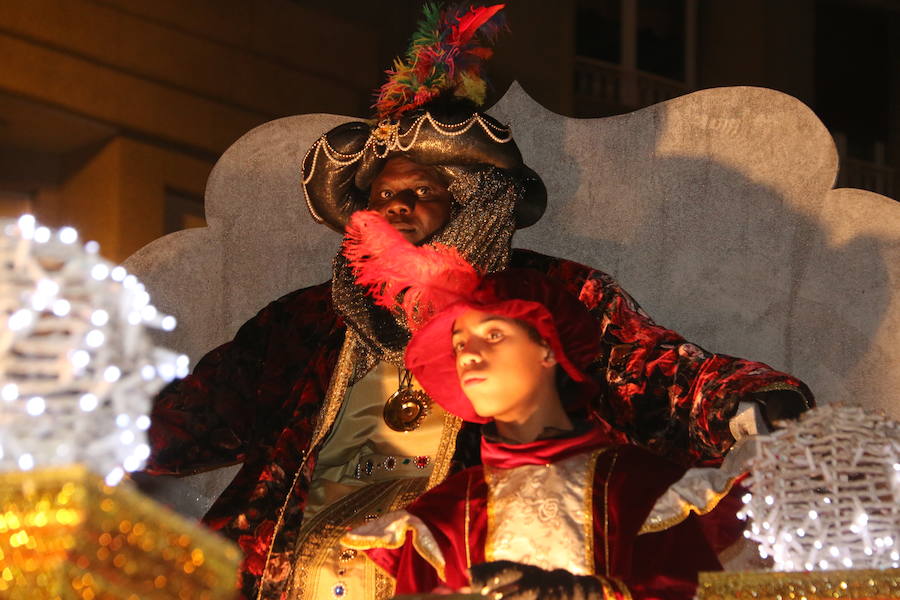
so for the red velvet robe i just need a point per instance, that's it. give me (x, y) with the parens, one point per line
(626, 483)
(255, 401)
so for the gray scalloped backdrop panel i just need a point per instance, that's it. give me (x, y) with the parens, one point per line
(715, 210)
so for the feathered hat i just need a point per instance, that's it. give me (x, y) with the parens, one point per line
(432, 285)
(427, 111)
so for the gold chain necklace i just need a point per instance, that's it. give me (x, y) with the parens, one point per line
(406, 408)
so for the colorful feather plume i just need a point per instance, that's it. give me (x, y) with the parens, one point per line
(445, 55)
(432, 277)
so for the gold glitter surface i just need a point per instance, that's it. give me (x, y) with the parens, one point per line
(65, 534)
(815, 585)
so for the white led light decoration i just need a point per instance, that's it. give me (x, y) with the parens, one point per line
(74, 363)
(825, 492)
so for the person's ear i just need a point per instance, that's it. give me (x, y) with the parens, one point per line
(549, 359)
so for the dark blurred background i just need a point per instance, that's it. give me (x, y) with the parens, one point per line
(112, 112)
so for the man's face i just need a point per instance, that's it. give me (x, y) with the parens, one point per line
(412, 197)
(502, 370)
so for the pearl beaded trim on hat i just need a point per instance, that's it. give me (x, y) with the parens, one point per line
(387, 137)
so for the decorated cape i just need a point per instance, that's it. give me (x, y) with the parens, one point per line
(577, 504)
(255, 400)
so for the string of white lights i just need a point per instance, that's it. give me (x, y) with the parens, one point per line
(825, 492)
(78, 370)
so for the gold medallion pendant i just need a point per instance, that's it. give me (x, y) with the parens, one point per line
(406, 408)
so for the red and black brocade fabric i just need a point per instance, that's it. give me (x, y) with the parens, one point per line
(256, 399)
(664, 393)
(657, 565)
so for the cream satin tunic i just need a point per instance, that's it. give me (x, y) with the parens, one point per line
(363, 470)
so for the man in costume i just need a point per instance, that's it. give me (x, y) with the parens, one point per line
(560, 508)
(311, 395)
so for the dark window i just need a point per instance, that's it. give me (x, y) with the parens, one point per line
(183, 211)
(598, 30)
(851, 67)
(660, 38)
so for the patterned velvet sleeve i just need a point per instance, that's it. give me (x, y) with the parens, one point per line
(663, 392)
(210, 418)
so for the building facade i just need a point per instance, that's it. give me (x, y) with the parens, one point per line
(113, 112)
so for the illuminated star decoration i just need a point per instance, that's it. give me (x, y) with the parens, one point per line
(78, 370)
(825, 492)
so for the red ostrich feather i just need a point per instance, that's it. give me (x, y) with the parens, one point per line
(433, 276)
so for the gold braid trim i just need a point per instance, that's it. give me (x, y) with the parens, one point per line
(686, 508)
(623, 590)
(422, 539)
(385, 583)
(446, 448)
(612, 588)
(325, 531)
(612, 465)
(491, 517)
(337, 389)
(786, 387)
(467, 523)
(588, 519)
(854, 584)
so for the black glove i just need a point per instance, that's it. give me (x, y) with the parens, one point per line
(780, 405)
(507, 580)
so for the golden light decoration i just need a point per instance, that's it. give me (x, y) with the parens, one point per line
(817, 585)
(78, 371)
(65, 534)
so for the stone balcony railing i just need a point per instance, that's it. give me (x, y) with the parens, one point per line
(602, 87)
(865, 175)
(873, 175)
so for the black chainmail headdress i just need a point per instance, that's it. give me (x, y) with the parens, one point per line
(481, 228)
